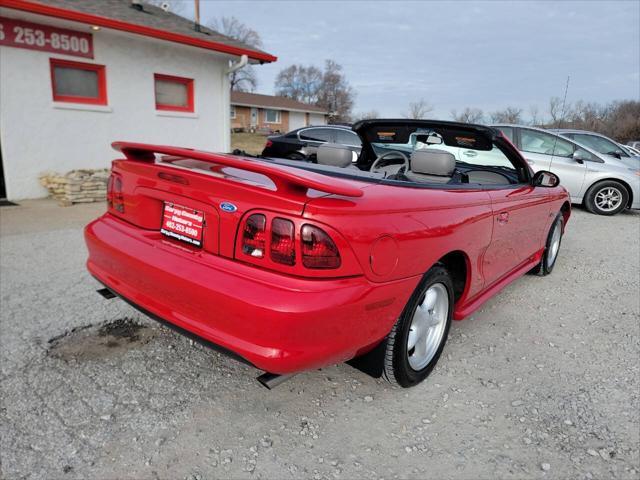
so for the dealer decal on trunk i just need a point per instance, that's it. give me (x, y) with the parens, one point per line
(182, 223)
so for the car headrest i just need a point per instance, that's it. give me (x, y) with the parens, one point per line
(334, 154)
(433, 162)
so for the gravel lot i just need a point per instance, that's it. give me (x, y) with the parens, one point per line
(543, 382)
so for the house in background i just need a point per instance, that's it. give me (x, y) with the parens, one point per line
(78, 75)
(278, 114)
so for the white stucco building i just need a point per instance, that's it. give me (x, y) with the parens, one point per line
(76, 76)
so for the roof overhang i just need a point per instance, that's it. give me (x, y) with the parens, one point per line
(73, 15)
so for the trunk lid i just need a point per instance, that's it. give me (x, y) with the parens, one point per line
(221, 187)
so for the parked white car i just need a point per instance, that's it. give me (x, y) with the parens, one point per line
(606, 185)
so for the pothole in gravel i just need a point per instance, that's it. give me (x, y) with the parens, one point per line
(93, 342)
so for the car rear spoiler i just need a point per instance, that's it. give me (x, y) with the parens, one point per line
(286, 179)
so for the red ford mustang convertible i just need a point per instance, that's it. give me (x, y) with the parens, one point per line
(292, 265)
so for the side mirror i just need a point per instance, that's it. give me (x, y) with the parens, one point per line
(580, 155)
(545, 179)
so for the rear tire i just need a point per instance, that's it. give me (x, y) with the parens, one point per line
(551, 248)
(296, 156)
(416, 341)
(606, 198)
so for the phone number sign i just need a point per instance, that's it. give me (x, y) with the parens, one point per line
(33, 36)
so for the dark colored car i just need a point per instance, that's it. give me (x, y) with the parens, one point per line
(303, 143)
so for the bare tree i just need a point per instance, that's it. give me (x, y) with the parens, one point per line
(299, 83)
(590, 116)
(245, 79)
(418, 109)
(623, 120)
(326, 88)
(619, 120)
(508, 115)
(555, 111)
(468, 115)
(365, 115)
(335, 94)
(534, 116)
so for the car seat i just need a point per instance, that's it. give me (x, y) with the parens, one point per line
(335, 155)
(431, 166)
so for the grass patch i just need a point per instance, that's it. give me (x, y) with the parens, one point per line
(252, 143)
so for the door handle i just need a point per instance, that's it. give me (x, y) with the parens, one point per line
(470, 153)
(503, 217)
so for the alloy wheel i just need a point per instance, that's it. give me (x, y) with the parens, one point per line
(608, 199)
(428, 326)
(554, 245)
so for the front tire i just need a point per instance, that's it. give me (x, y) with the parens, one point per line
(416, 341)
(606, 198)
(551, 248)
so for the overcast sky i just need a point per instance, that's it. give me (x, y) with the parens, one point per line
(488, 54)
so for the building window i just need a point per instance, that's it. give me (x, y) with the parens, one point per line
(174, 93)
(78, 82)
(233, 111)
(272, 116)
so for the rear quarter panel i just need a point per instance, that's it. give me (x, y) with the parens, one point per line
(400, 232)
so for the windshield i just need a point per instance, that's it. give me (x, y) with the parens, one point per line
(471, 152)
(429, 139)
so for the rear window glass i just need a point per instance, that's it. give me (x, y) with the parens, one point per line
(317, 134)
(346, 137)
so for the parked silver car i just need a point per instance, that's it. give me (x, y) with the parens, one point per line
(594, 141)
(634, 152)
(606, 185)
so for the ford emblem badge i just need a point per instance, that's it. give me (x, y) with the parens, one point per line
(228, 207)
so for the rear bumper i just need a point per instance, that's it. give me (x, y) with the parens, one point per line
(278, 323)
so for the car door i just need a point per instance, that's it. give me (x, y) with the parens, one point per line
(519, 213)
(545, 151)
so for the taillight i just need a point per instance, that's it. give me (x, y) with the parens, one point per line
(275, 242)
(268, 144)
(283, 247)
(114, 193)
(318, 250)
(253, 236)
(110, 191)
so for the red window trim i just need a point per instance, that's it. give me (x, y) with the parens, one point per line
(101, 99)
(188, 82)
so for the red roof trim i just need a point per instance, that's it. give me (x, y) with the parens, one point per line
(50, 11)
